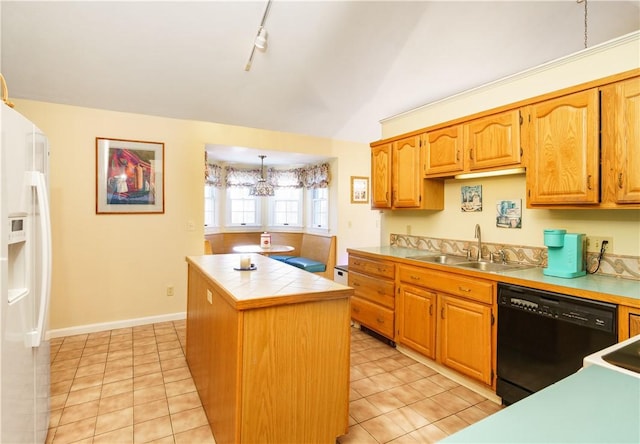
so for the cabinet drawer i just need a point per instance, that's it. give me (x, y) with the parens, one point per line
(373, 267)
(373, 316)
(451, 283)
(377, 290)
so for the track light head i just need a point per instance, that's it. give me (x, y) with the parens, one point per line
(261, 39)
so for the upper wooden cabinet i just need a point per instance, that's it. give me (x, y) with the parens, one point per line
(407, 177)
(397, 178)
(381, 176)
(493, 141)
(486, 143)
(563, 166)
(444, 152)
(620, 140)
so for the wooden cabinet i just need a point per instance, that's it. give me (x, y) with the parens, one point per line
(444, 151)
(465, 337)
(407, 176)
(620, 140)
(373, 302)
(381, 176)
(416, 321)
(448, 317)
(563, 166)
(482, 144)
(493, 142)
(628, 322)
(397, 178)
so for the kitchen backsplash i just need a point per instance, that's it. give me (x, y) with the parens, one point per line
(627, 267)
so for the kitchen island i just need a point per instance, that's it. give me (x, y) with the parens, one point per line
(268, 350)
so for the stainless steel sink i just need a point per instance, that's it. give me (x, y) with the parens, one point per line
(439, 259)
(492, 266)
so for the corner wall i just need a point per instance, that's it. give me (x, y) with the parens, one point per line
(113, 268)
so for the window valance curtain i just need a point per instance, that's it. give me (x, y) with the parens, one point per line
(213, 175)
(316, 176)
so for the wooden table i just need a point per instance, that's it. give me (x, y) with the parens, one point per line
(268, 350)
(255, 248)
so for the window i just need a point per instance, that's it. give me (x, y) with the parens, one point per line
(286, 207)
(210, 206)
(320, 207)
(244, 209)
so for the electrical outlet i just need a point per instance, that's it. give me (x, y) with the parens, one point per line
(170, 290)
(594, 244)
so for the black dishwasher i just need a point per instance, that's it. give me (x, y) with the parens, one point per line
(543, 337)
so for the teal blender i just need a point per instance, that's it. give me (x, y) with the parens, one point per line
(565, 253)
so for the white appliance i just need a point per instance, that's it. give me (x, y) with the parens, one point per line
(597, 357)
(25, 280)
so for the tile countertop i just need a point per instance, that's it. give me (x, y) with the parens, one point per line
(594, 405)
(271, 283)
(599, 284)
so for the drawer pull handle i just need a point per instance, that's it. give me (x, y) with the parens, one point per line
(415, 278)
(380, 321)
(356, 309)
(465, 289)
(430, 310)
(355, 284)
(589, 182)
(442, 313)
(620, 180)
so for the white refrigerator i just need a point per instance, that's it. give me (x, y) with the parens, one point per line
(25, 280)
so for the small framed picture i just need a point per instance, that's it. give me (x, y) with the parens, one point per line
(509, 213)
(129, 176)
(359, 189)
(471, 198)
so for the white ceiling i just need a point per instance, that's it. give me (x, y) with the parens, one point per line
(331, 69)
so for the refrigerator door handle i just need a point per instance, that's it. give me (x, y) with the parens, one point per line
(37, 180)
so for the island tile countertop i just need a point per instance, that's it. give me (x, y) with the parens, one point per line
(271, 283)
(595, 284)
(594, 405)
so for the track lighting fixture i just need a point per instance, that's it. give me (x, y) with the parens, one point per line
(260, 41)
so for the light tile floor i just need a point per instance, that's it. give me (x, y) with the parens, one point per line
(132, 385)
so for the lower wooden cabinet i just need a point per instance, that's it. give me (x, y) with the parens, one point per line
(464, 334)
(374, 301)
(628, 322)
(449, 318)
(416, 310)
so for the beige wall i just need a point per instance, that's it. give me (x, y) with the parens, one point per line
(623, 225)
(110, 268)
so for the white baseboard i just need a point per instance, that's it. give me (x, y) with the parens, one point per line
(93, 328)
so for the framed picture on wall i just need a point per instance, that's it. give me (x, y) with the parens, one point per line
(129, 176)
(359, 189)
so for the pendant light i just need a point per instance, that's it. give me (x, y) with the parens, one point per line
(262, 188)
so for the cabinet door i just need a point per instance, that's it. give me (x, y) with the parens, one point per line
(493, 141)
(564, 160)
(407, 176)
(415, 320)
(628, 322)
(444, 151)
(465, 337)
(621, 142)
(381, 176)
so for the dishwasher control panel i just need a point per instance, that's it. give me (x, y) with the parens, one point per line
(595, 314)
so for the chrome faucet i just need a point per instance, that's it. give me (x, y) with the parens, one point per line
(479, 237)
